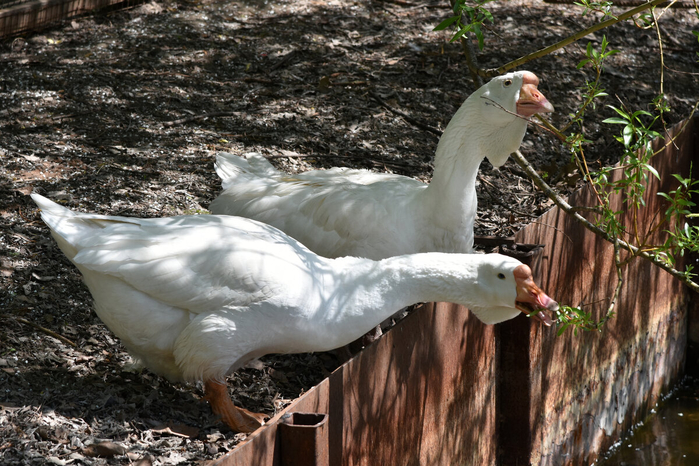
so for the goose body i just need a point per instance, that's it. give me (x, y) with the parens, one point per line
(346, 212)
(197, 297)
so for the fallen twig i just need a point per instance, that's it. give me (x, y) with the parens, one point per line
(349, 83)
(376, 161)
(42, 329)
(412, 6)
(283, 61)
(407, 118)
(199, 117)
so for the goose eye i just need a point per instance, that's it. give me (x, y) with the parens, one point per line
(508, 82)
(501, 276)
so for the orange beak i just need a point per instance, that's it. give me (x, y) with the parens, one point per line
(532, 101)
(530, 299)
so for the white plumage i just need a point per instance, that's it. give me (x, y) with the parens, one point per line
(341, 212)
(196, 297)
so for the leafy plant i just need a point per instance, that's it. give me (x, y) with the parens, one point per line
(602, 7)
(682, 237)
(468, 18)
(568, 316)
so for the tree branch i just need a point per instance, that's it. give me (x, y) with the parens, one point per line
(568, 40)
(567, 208)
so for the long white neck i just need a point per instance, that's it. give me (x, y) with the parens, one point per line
(373, 291)
(477, 130)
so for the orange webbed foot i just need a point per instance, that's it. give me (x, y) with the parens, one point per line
(238, 419)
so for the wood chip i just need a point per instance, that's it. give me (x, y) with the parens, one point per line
(104, 450)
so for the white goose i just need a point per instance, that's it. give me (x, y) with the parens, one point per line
(197, 297)
(344, 212)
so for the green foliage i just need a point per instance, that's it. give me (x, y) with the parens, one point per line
(636, 137)
(601, 7)
(468, 18)
(645, 20)
(682, 237)
(590, 92)
(574, 317)
(596, 58)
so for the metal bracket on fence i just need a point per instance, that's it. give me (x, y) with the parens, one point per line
(523, 252)
(304, 439)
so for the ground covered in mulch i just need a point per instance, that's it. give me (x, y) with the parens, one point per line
(108, 114)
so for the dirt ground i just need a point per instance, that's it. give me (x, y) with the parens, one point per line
(107, 114)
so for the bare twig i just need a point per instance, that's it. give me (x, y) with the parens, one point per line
(471, 61)
(584, 208)
(407, 118)
(567, 236)
(199, 117)
(619, 282)
(568, 40)
(42, 329)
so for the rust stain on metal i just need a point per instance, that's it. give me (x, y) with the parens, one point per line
(423, 395)
(587, 389)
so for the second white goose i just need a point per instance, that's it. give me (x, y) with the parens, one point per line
(345, 212)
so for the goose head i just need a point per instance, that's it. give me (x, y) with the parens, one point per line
(506, 103)
(507, 289)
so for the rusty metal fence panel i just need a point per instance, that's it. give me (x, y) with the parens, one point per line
(424, 394)
(441, 388)
(21, 16)
(586, 390)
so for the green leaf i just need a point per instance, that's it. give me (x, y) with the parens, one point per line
(446, 23)
(616, 121)
(589, 49)
(641, 112)
(583, 63)
(463, 31)
(620, 112)
(653, 171)
(628, 133)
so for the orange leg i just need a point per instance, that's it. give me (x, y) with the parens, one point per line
(238, 419)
